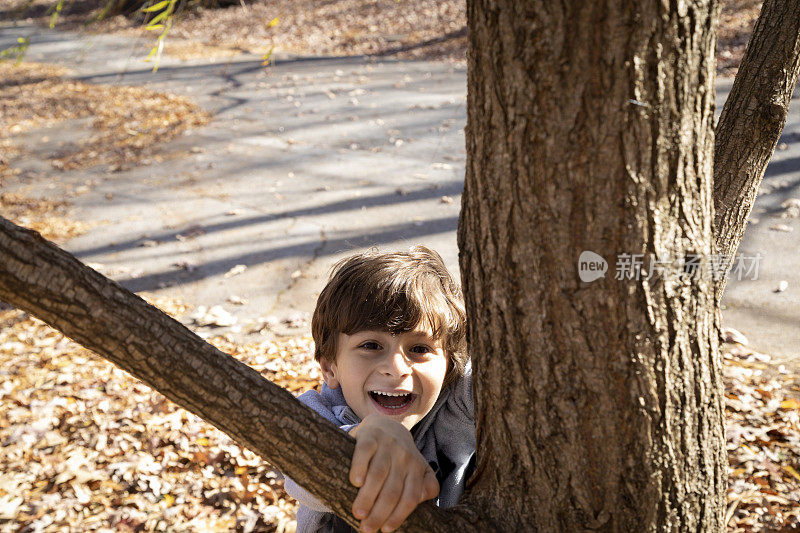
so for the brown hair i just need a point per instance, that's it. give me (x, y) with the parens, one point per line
(392, 292)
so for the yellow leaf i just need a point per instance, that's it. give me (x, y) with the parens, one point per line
(240, 470)
(792, 471)
(202, 441)
(169, 498)
(158, 18)
(156, 7)
(266, 58)
(56, 13)
(791, 403)
(273, 22)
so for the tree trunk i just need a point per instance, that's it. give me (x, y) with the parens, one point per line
(752, 119)
(49, 283)
(590, 128)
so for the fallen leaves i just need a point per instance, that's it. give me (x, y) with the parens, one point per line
(791, 208)
(42, 215)
(762, 407)
(427, 29)
(192, 232)
(85, 445)
(127, 123)
(235, 271)
(214, 316)
(733, 336)
(736, 21)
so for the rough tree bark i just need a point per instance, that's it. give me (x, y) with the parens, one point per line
(752, 119)
(589, 128)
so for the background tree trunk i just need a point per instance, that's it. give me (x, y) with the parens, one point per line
(589, 127)
(752, 119)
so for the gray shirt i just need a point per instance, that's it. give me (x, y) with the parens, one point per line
(445, 437)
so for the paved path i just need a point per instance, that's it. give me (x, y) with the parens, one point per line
(311, 159)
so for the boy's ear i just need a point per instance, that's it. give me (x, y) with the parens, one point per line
(328, 373)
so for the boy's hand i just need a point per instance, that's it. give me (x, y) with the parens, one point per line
(392, 475)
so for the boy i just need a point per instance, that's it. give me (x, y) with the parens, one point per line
(390, 333)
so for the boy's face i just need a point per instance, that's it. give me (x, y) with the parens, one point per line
(410, 367)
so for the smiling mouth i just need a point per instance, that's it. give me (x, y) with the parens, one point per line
(392, 401)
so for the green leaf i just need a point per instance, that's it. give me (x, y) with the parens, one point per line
(155, 27)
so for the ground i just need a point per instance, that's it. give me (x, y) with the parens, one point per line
(223, 192)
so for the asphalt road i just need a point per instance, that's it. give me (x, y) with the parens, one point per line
(310, 159)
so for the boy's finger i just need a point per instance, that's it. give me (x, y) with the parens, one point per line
(430, 486)
(365, 449)
(378, 471)
(389, 496)
(408, 501)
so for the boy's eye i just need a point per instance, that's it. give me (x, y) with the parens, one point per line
(370, 345)
(421, 349)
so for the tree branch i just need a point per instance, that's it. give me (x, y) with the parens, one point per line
(49, 283)
(752, 119)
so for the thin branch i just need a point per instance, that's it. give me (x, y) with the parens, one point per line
(752, 119)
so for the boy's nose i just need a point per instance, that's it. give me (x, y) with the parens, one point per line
(397, 364)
